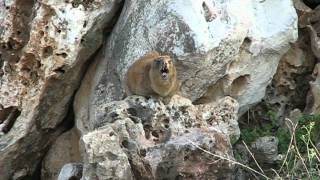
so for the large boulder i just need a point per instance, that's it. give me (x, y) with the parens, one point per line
(44, 46)
(220, 48)
(139, 138)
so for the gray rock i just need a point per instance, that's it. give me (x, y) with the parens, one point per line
(139, 138)
(265, 149)
(71, 171)
(64, 150)
(313, 101)
(235, 53)
(44, 47)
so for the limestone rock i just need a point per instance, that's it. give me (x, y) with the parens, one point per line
(295, 79)
(43, 49)
(313, 100)
(63, 151)
(265, 149)
(139, 138)
(233, 52)
(71, 171)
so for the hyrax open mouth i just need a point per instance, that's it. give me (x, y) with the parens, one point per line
(164, 72)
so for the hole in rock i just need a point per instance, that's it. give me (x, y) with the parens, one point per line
(239, 85)
(166, 121)
(132, 111)
(114, 114)
(207, 12)
(60, 70)
(7, 118)
(41, 33)
(47, 51)
(125, 143)
(143, 152)
(155, 134)
(64, 55)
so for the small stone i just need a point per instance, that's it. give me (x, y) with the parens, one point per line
(265, 149)
(71, 171)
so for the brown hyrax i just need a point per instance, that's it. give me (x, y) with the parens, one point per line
(152, 75)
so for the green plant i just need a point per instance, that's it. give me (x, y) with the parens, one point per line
(302, 159)
(307, 131)
(271, 129)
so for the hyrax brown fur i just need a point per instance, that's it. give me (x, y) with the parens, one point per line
(152, 75)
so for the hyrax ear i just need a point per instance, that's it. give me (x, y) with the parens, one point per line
(151, 54)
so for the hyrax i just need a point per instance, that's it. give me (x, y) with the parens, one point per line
(152, 75)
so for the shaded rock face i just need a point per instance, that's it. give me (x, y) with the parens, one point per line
(64, 150)
(140, 138)
(313, 100)
(43, 49)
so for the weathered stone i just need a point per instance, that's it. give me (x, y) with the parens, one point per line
(64, 150)
(140, 138)
(236, 53)
(43, 49)
(71, 171)
(313, 100)
(265, 149)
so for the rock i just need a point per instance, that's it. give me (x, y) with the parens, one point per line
(289, 87)
(44, 46)
(64, 150)
(71, 171)
(103, 156)
(301, 7)
(243, 156)
(265, 149)
(235, 52)
(313, 100)
(139, 138)
(312, 3)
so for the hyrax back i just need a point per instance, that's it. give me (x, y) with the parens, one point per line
(152, 75)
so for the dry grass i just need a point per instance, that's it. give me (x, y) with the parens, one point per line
(295, 164)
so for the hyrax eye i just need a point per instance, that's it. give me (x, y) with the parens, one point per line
(158, 61)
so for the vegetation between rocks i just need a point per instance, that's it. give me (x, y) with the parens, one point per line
(297, 146)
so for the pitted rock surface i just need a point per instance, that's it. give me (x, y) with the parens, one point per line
(144, 139)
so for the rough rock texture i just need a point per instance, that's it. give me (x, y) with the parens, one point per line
(294, 85)
(43, 49)
(64, 150)
(139, 138)
(265, 149)
(290, 85)
(71, 171)
(220, 47)
(313, 101)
